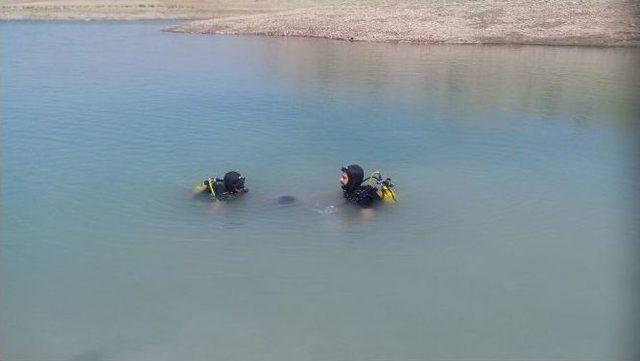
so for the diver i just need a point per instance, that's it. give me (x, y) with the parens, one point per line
(365, 192)
(227, 188)
(352, 189)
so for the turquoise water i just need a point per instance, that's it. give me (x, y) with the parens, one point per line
(516, 167)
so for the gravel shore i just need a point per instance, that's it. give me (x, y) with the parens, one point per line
(595, 23)
(550, 22)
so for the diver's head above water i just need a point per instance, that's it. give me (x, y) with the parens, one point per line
(351, 177)
(233, 182)
(226, 188)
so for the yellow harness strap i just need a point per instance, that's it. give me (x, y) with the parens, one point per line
(213, 193)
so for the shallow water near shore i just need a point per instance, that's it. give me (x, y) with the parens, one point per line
(515, 235)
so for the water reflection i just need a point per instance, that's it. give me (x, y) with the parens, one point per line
(513, 236)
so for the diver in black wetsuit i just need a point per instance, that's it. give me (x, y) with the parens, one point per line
(230, 187)
(353, 190)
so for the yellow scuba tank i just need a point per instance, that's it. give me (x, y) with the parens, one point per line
(206, 186)
(387, 194)
(199, 188)
(384, 187)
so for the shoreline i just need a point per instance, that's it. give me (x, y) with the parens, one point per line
(601, 23)
(130, 10)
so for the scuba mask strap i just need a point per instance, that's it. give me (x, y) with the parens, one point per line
(240, 183)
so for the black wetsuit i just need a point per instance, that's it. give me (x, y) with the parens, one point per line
(363, 196)
(354, 192)
(221, 191)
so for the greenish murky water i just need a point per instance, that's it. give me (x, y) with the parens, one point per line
(515, 236)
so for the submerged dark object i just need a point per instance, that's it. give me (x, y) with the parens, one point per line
(284, 200)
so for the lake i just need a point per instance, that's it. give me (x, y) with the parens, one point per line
(515, 237)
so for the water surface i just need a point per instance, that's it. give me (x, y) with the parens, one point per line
(515, 236)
